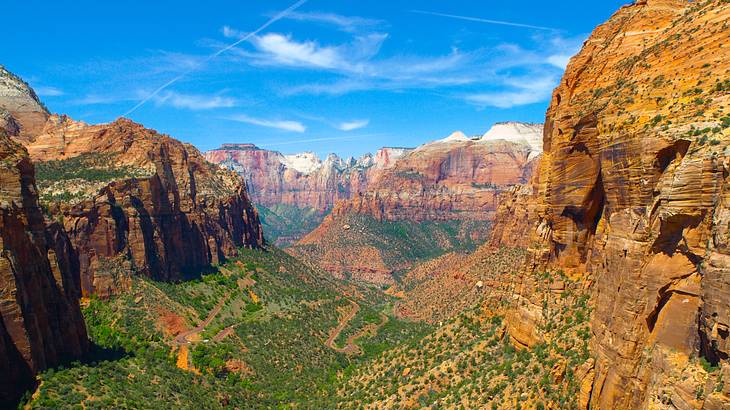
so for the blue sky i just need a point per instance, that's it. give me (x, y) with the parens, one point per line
(327, 76)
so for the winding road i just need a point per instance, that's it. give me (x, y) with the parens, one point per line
(182, 338)
(350, 347)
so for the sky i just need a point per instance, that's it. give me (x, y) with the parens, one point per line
(326, 76)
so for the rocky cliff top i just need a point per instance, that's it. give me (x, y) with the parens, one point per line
(21, 111)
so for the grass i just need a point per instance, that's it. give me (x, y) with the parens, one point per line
(275, 356)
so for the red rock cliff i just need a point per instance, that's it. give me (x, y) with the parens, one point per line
(634, 200)
(40, 320)
(457, 178)
(301, 180)
(178, 213)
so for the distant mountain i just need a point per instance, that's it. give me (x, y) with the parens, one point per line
(294, 192)
(448, 188)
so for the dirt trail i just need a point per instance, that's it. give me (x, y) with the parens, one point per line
(340, 327)
(351, 347)
(223, 334)
(182, 338)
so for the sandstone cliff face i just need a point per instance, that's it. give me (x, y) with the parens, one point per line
(22, 114)
(40, 320)
(457, 178)
(301, 180)
(176, 213)
(633, 202)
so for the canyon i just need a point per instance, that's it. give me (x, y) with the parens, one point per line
(442, 195)
(578, 264)
(40, 321)
(119, 200)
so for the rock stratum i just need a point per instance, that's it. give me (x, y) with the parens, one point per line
(40, 320)
(450, 188)
(632, 205)
(302, 180)
(161, 210)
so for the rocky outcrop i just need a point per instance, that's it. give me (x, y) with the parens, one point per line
(301, 180)
(22, 113)
(40, 320)
(177, 213)
(632, 203)
(457, 178)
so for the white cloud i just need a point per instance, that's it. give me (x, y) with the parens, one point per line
(274, 49)
(353, 125)
(559, 60)
(230, 32)
(192, 101)
(48, 91)
(349, 24)
(517, 91)
(293, 126)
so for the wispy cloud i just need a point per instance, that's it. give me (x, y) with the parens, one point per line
(482, 20)
(353, 125)
(345, 138)
(193, 101)
(349, 24)
(518, 91)
(45, 91)
(275, 49)
(271, 21)
(293, 126)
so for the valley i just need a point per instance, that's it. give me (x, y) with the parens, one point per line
(580, 263)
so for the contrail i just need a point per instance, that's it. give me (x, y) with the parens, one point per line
(217, 53)
(481, 20)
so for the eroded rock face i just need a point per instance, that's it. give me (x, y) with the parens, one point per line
(633, 198)
(180, 215)
(40, 320)
(301, 180)
(457, 178)
(22, 113)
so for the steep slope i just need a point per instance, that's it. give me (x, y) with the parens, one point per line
(131, 200)
(448, 189)
(21, 113)
(40, 320)
(632, 203)
(134, 200)
(299, 188)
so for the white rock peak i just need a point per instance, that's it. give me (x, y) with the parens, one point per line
(519, 132)
(305, 162)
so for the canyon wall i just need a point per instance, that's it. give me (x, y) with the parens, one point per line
(131, 200)
(40, 320)
(168, 214)
(301, 180)
(632, 205)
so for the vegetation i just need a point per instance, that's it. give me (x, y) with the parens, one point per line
(284, 224)
(264, 348)
(89, 172)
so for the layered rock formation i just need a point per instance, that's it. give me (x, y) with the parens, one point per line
(40, 320)
(130, 199)
(177, 213)
(632, 204)
(301, 180)
(21, 113)
(457, 178)
(451, 185)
